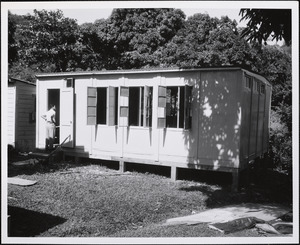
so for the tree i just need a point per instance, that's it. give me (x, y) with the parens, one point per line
(48, 41)
(207, 42)
(225, 46)
(93, 47)
(12, 46)
(132, 36)
(263, 23)
(275, 64)
(187, 47)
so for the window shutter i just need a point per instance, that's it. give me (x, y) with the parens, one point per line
(124, 110)
(187, 106)
(161, 109)
(91, 106)
(147, 106)
(111, 105)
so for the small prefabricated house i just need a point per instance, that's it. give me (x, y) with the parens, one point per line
(206, 118)
(21, 126)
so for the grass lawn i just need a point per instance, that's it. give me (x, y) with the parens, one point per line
(92, 200)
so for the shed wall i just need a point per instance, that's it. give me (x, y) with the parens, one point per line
(255, 119)
(219, 119)
(11, 115)
(25, 116)
(214, 140)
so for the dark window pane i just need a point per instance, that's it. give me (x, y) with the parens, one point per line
(101, 105)
(134, 96)
(149, 108)
(181, 108)
(116, 105)
(171, 107)
(142, 107)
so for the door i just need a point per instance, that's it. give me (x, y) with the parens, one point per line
(67, 117)
(54, 99)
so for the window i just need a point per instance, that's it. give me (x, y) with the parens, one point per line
(248, 82)
(102, 106)
(174, 107)
(70, 82)
(262, 88)
(258, 85)
(136, 106)
(255, 86)
(174, 112)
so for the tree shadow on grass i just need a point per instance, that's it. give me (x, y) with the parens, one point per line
(272, 187)
(27, 223)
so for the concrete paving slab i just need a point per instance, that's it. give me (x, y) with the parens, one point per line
(264, 212)
(19, 181)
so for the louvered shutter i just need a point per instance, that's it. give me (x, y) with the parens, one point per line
(124, 110)
(91, 106)
(161, 109)
(111, 105)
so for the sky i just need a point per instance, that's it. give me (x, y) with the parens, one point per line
(86, 11)
(97, 10)
(90, 15)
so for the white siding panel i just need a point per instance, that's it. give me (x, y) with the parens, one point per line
(11, 115)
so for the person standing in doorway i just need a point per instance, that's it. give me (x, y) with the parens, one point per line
(49, 117)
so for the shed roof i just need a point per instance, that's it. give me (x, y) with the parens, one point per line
(149, 70)
(13, 80)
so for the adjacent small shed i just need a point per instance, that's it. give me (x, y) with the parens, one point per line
(207, 118)
(21, 114)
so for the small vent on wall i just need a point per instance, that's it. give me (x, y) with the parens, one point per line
(70, 82)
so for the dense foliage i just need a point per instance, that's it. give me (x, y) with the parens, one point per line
(263, 23)
(138, 38)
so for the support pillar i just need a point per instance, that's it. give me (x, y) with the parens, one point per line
(235, 180)
(122, 166)
(77, 159)
(174, 173)
(63, 156)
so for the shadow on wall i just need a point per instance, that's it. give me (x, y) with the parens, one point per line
(27, 223)
(214, 137)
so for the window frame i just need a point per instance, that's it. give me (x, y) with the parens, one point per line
(183, 105)
(144, 107)
(111, 106)
(262, 88)
(248, 82)
(255, 86)
(103, 112)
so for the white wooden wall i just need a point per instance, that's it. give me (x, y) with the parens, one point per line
(11, 115)
(214, 139)
(21, 110)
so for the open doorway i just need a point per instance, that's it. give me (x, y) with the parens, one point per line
(53, 99)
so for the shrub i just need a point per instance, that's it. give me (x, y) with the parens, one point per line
(280, 143)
